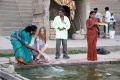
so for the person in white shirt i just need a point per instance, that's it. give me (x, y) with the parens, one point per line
(112, 20)
(107, 18)
(61, 23)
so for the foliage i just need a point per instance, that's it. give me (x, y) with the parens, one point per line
(6, 55)
(76, 51)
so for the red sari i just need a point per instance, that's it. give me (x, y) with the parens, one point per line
(92, 40)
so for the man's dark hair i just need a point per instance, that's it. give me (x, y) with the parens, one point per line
(107, 8)
(62, 9)
(96, 9)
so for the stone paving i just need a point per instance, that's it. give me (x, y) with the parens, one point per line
(109, 44)
(113, 45)
(74, 59)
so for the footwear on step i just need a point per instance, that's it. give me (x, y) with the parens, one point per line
(66, 57)
(57, 57)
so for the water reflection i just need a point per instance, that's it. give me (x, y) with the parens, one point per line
(92, 73)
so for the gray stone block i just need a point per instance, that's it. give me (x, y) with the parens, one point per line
(78, 36)
(52, 37)
(77, 32)
(52, 33)
(82, 31)
(51, 24)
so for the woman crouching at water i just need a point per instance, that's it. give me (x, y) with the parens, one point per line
(41, 46)
(92, 32)
(20, 41)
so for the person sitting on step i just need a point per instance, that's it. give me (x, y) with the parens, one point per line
(41, 46)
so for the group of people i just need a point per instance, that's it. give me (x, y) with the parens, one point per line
(21, 39)
(92, 25)
(109, 18)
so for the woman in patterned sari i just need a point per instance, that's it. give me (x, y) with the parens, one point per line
(20, 41)
(92, 32)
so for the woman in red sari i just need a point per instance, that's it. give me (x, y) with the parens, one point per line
(92, 32)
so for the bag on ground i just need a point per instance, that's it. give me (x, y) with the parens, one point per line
(102, 51)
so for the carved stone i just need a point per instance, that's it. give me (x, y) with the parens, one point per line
(41, 14)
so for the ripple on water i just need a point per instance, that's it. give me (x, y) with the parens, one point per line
(77, 72)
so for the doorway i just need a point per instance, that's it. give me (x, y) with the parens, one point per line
(75, 24)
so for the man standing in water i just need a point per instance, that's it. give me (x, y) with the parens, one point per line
(61, 23)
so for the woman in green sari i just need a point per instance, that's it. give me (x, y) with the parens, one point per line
(20, 41)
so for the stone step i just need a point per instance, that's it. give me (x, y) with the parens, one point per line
(7, 0)
(10, 29)
(105, 1)
(15, 20)
(25, 2)
(15, 17)
(8, 8)
(114, 6)
(105, 4)
(16, 13)
(25, 7)
(12, 4)
(116, 32)
(16, 1)
(111, 27)
(15, 7)
(6, 33)
(20, 10)
(8, 25)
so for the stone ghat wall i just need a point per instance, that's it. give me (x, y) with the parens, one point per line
(40, 11)
(7, 72)
(52, 31)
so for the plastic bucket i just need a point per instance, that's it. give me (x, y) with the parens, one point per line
(112, 34)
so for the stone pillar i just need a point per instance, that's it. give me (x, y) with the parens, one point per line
(85, 12)
(38, 12)
(46, 17)
(84, 16)
(41, 14)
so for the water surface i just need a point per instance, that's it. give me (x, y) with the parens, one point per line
(76, 72)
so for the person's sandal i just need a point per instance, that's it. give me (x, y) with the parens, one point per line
(39, 61)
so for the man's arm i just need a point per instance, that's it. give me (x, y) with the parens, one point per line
(67, 23)
(55, 23)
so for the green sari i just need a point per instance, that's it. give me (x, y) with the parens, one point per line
(18, 41)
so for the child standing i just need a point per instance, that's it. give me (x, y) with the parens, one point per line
(112, 21)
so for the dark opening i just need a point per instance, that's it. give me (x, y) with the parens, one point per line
(67, 11)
